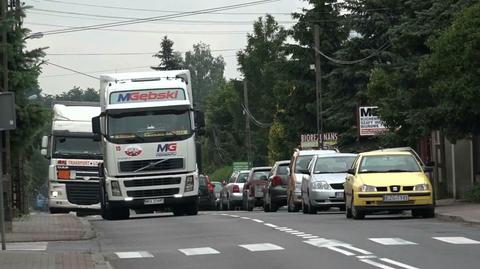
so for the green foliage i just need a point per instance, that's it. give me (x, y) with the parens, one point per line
(206, 72)
(452, 71)
(474, 194)
(77, 94)
(169, 59)
(222, 173)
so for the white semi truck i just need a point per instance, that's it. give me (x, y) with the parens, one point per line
(147, 129)
(74, 156)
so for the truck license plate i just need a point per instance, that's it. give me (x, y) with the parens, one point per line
(395, 198)
(154, 201)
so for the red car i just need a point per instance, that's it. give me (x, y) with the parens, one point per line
(253, 190)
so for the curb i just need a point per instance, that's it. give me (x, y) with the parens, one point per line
(89, 233)
(100, 262)
(455, 218)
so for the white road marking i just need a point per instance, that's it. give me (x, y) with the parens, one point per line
(291, 231)
(359, 250)
(304, 235)
(30, 246)
(198, 251)
(244, 217)
(406, 266)
(376, 264)
(298, 233)
(392, 241)
(261, 247)
(344, 252)
(257, 220)
(311, 237)
(270, 225)
(367, 257)
(134, 255)
(282, 228)
(457, 240)
(234, 216)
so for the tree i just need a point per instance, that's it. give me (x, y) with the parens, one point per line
(206, 72)
(77, 94)
(452, 71)
(169, 59)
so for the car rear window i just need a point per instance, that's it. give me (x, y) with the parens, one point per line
(242, 178)
(260, 175)
(283, 169)
(389, 163)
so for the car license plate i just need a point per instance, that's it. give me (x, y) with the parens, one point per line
(154, 201)
(395, 198)
(339, 195)
(258, 191)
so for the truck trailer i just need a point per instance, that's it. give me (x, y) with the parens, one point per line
(74, 156)
(147, 131)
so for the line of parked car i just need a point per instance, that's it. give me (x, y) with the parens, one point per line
(389, 180)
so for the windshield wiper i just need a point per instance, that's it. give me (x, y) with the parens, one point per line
(150, 165)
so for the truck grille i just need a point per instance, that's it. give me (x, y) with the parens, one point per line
(153, 193)
(81, 193)
(152, 182)
(169, 164)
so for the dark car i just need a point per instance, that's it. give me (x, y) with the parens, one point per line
(253, 189)
(276, 188)
(205, 193)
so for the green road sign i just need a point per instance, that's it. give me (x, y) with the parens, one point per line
(237, 166)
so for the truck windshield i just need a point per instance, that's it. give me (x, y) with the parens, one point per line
(149, 126)
(75, 147)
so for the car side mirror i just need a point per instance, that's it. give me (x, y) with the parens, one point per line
(303, 171)
(351, 171)
(427, 169)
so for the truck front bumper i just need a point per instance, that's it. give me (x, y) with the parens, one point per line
(168, 202)
(58, 198)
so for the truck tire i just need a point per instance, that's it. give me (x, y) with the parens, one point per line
(178, 211)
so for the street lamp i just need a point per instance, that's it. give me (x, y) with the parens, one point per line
(34, 36)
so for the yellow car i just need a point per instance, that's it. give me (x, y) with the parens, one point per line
(387, 181)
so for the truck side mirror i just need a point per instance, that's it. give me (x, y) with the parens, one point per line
(45, 146)
(199, 119)
(96, 128)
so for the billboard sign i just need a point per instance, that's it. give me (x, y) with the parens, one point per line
(312, 140)
(369, 122)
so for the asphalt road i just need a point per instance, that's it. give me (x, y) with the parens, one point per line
(238, 239)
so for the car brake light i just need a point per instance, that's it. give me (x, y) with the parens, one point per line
(63, 174)
(276, 180)
(210, 187)
(235, 188)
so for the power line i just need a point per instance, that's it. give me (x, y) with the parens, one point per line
(255, 121)
(152, 32)
(344, 62)
(120, 53)
(149, 19)
(137, 18)
(73, 70)
(162, 11)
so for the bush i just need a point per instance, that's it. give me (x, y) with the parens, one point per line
(474, 194)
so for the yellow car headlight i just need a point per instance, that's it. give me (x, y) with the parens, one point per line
(368, 188)
(421, 187)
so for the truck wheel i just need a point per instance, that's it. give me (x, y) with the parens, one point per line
(178, 211)
(120, 213)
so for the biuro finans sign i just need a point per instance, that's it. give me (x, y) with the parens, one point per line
(141, 96)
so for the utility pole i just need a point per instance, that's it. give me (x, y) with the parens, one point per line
(248, 139)
(3, 18)
(318, 76)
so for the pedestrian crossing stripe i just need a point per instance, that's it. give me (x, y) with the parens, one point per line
(261, 247)
(134, 255)
(457, 240)
(27, 246)
(198, 251)
(391, 241)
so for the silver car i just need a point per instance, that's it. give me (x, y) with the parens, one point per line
(231, 194)
(323, 182)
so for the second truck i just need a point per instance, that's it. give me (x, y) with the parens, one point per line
(147, 127)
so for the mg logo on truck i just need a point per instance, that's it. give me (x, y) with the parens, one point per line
(153, 95)
(167, 149)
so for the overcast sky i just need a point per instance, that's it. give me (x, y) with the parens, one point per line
(225, 32)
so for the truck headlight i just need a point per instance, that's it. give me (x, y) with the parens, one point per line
(368, 188)
(55, 194)
(115, 188)
(421, 187)
(321, 185)
(189, 184)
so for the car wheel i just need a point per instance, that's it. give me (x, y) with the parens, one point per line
(311, 209)
(273, 207)
(356, 213)
(266, 207)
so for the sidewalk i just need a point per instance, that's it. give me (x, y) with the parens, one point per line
(27, 243)
(460, 211)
